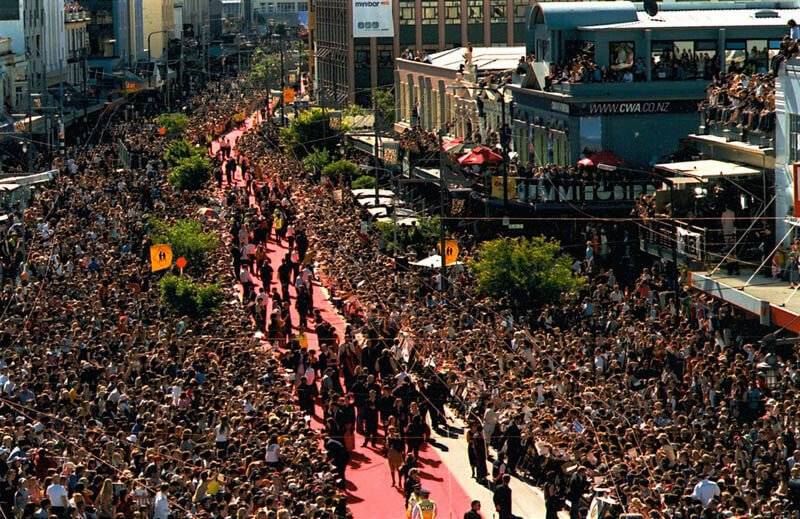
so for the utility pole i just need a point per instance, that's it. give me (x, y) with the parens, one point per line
(504, 144)
(442, 187)
(283, 82)
(377, 146)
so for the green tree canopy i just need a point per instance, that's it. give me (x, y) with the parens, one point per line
(186, 237)
(364, 182)
(384, 102)
(310, 129)
(180, 149)
(174, 123)
(187, 297)
(340, 169)
(316, 160)
(190, 173)
(265, 69)
(528, 271)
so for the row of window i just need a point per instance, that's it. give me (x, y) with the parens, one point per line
(452, 11)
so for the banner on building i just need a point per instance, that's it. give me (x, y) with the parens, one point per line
(690, 244)
(372, 19)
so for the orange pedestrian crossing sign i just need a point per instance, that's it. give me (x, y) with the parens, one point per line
(160, 257)
(451, 251)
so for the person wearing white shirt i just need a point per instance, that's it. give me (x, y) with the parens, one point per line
(161, 503)
(57, 495)
(705, 491)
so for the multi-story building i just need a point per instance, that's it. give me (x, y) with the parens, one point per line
(12, 78)
(115, 32)
(347, 68)
(159, 26)
(76, 21)
(195, 17)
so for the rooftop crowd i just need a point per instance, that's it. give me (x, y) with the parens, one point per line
(112, 405)
(669, 402)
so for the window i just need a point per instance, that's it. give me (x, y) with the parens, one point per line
(735, 55)
(757, 56)
(285, 7)
(430, 12)
(407, 16)
(794, 137)
(475, 11)
(385, 58)
(452, 11)
(302, 6)
(498, 11)
(621, 55)
(520, 11)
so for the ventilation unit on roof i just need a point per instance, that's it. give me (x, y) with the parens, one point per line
(766, 13)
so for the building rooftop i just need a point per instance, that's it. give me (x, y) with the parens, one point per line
(485, 58)
(701, 18)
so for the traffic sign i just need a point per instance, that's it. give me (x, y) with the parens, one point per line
(160, 257)
(451, 251)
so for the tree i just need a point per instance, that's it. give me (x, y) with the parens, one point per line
(364, 182)
(341, 169)
(186, 237)
(190, 173)
(265, 70)
(186, 297)
(180, 149)
(384, 103)
(174, 123)
(311, 128)
(316, 160)
(527, 271)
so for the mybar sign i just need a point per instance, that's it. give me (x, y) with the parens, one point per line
(635, 108)
(372, 19)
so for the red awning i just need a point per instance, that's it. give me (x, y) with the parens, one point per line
(452, 144)
(480, 155)
(605, 157)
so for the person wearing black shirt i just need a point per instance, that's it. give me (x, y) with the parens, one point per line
(578, 484)
(502, 498)
(474, 510)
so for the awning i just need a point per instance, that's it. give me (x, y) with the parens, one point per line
(401, 222)
(480, 155)
(381, 201)
(363, 193)
(707, 169)
(432, 262)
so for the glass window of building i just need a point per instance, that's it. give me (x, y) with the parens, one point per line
(475, 11)
(430, 12)
(498, 11)
(302, 6)
(520, 11)
(285, 7)
(757, 56)
(735, 55)
(794, 137)
(407, 16)
(452, 11)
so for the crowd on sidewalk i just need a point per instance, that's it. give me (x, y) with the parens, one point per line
(667, 401)
(111, 405)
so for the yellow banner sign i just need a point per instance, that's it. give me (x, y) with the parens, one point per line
(451, 251)
(160, 257)
(497, 187)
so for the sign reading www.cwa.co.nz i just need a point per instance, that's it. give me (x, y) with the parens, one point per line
(372, 19)
(638, 107)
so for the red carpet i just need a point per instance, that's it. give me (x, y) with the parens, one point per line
(371, 495)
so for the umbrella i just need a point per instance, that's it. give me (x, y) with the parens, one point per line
(605, 157)
(453, 145)
(585, 163)
(480, 155)
(208, 212)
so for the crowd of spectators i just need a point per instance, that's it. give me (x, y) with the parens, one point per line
(113, 406)
(741, 100)
(415, 55)
(668, 400)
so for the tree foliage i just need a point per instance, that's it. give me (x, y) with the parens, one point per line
(186, 237)
(341, 169)
(180, 149)
(364, 182)
(186, 297)
(316, 160)
(424, 235)
(310, 129)
(174, 123)
(265, 69)
(190, 173)
(384, 103)
(526, 270)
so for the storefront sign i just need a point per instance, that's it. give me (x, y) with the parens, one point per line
(533, 191)
(689, 243)
(372, 19)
